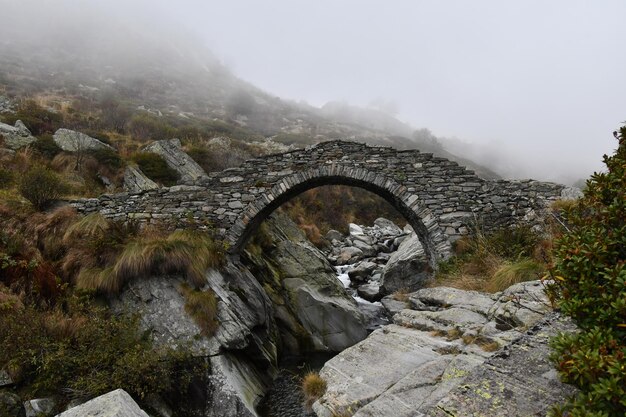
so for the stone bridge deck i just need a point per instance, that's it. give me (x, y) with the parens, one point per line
(440, 199)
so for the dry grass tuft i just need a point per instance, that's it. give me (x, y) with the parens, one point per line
(401, 295)
(313, 387)
(202, 307)
(92, 226)
(189, 252)
(513, 273)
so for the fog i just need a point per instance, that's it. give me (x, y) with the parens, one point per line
(533, 88)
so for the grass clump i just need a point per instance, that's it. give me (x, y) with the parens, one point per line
(313, 387)
(515, 272)
(201, 305)
(493, 262)
(41, 186)
(188, 252)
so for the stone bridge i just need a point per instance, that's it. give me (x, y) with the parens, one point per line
(440, 199)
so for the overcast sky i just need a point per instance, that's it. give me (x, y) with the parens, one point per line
(545, 80)
(542, 78)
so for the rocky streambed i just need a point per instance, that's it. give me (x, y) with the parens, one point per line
(354, 312)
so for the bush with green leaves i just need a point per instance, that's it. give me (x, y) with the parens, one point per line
(590, 286)
(82, 351)
(155, 167)
(41, 186)
(107, 157)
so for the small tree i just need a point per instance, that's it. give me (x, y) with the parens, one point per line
(41, 186)
(590, 285)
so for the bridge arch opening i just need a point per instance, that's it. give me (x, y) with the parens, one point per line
(435, 243)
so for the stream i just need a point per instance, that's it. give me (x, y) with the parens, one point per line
(285, 398)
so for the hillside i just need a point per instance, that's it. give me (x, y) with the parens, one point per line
(155, 90)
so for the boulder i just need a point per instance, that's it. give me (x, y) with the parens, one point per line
(369, 292)
(173, 154)
(366, 248)
(362, 271)
(355, 230)
(113, 404)
(17, 136)
(11, 405)
(407, 268)
(5, 379)
(436, 358)
(312, 308)
(349, 255)
(387, 226)
(72, 141)
(392, 305)
(136, 181)
(334, 235)
(40, 407)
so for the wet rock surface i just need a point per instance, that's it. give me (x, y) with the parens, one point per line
(437, 342)
(312, 309)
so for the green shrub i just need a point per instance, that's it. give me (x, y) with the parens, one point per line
(590, 286)
(84, 351)
(107, 157)
(155, 167)
(6, 178)
(41, 186)
(46, 147)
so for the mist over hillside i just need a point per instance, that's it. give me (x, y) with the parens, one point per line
(96, 52)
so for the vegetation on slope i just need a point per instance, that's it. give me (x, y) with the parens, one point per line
(494, 262)
(56, 336)
(590, 286)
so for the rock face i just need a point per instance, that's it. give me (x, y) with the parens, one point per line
(72, 141)
(518, 381)
(407, 267)
(113, 404)
(136, 181)
(437, 345)
(177, 159)
(39, 407)
(16, 137)
(236, 381)
(313, 311)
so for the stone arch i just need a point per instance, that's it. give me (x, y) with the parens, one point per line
(435, 242)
